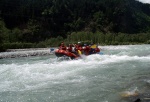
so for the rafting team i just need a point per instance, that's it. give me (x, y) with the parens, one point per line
(78, 49)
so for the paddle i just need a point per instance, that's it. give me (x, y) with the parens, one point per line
(51, 49)
(101, 53)
(79, 52)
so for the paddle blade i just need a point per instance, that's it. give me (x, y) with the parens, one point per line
(94, 46)
(101, 53)
(51, 49)
(79, 52)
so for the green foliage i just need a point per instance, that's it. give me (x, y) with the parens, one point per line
(18, 45)
(41, 45)
(48, 22)
(4, 32)
(53, 42)
(15, 35)
(62, 16)
(109, 38)
(32, 33)
(4, 35)
(148, 42)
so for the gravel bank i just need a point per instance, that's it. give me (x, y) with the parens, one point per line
(13, 53)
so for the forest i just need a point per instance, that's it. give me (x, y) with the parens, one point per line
(46, 23)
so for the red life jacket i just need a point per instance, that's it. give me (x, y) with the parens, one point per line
(69, 49)
(62, 47)
(87, 50)
(97, 50)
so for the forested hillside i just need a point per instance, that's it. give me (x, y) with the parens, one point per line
(33, 21)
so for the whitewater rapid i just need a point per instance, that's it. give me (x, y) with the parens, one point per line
(111, 77)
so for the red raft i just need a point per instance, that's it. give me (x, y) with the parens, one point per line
(62, 53)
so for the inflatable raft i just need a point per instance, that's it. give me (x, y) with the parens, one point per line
(62, 53)
(75, 55)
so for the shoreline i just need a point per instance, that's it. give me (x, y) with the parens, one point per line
(15, 53)
(26, 49)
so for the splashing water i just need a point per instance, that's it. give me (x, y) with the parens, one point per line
(95, 78)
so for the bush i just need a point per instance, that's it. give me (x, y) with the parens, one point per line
(41, 45)
(17, 45)
(148, 42)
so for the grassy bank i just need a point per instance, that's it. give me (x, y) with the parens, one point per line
(84, 37)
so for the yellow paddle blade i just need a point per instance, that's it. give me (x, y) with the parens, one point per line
(93, 46)
(79, 52)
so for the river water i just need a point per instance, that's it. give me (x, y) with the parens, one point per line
(121, 74)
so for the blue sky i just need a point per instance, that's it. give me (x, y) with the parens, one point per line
(145, 1)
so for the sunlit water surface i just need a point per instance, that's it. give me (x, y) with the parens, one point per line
(95, 78)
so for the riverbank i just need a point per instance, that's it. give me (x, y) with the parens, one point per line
(13, 53)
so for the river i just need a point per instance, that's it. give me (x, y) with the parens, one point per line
(120, 74)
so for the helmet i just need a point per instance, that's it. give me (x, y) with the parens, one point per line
(70, 44)
(85, 44)
(62, 43)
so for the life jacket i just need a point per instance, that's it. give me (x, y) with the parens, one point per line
(80, 48)
(62, 47)
(97, 50)
(69, 48)
(86, 50)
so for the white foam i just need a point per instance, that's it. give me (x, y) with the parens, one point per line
(111, 47)
(31, 76)
(42, 73)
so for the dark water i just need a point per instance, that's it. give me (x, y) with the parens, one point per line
(121, 74)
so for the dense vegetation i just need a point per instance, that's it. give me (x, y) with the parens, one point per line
(44, 23)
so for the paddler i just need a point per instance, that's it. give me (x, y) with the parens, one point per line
(62, 46)
(69, 48)
(79, 48)
(86, 49)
